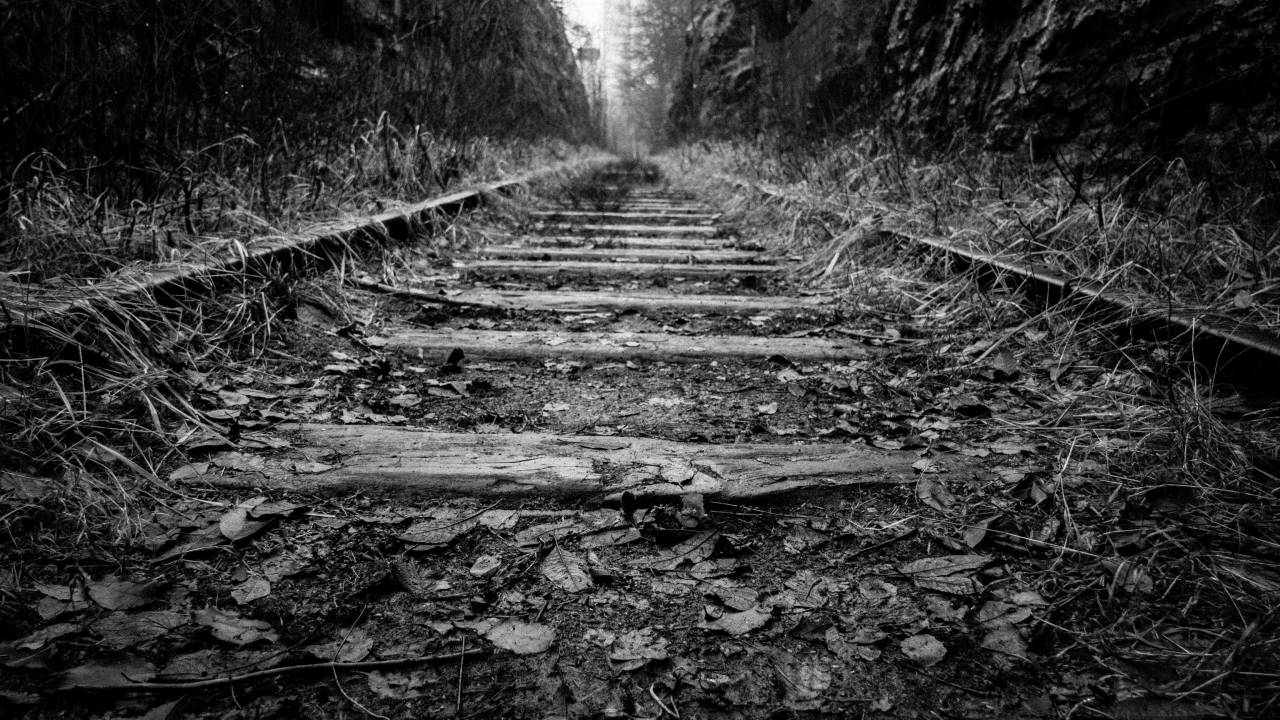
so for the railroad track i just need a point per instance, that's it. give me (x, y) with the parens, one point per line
(614, 288)
(1226, 351)
(625, 449)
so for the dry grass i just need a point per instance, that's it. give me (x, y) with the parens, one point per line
(1180, 242)
(57, 233)
(1152, 522)
(94, 401)
(104, 395)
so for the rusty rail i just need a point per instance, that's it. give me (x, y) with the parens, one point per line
(1242, 355)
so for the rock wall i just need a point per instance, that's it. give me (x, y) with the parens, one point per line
(1196, 78)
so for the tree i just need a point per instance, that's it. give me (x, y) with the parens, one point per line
(652, 58)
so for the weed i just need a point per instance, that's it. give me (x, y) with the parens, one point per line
(1214, 257)
(1160, 565)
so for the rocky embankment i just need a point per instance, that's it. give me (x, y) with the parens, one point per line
(1189, 79)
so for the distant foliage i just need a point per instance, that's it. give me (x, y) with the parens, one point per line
(127, 88)
(654, 58)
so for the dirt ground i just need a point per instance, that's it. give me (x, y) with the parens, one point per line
(1042, 562)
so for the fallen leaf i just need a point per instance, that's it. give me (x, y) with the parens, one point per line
(241, 462)
(163, 711)
(667, 403)
(545, 533)
(846, 649)
(198, 541)
(110, 675)
(16, 698)
(484, 566)
(450, 390)
(1028, 598)
(218, 662)
(309, 467)
(1011, 447)
(446, 525)
(1159, 709)
(737, 598)
(803, 538)
(235, 524)
(810, 589)
(633, 650)
(48, 608)
(42, 637)
(231, 398)
(407, 400)
(189, 471)
(693, 510)
(277, 568)
(940, 609)
(877, 589)
(949, 574)
(275, 508)
(353, 646)
(1128, 576)
(804, 680)
(120, 630)
(62, 593)
(500, 519)
(113, 593)
(974, 534)
(566, 571)
(709, 569)
(923, 649)
(738, 623)
(610, 537)
(693, 550)
(255, 588)
(411, 577)
(933, 493)
(1006, 640)
(234, 629)
(521, 638)
(400, 685)
(34, 651)
(995, 613)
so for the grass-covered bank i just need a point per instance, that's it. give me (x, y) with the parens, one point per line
(1183, 243)
(58, 228)
(1143, 498)
(97, 401)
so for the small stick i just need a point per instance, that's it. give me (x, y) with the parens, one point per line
(310, 667)
(462, 661)
(882, 544)
(423, 295)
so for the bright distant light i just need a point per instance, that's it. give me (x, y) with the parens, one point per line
(589, 13)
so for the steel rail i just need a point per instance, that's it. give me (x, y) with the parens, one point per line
(1242, 355)
(319, 248)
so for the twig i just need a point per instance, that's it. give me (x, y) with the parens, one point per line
(415, 294)
(309, 667)
(884, 543)
(972, 691)
(665, 710)
(462, 663)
